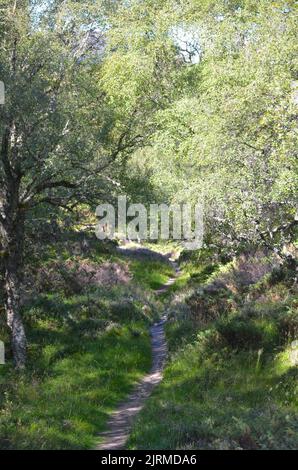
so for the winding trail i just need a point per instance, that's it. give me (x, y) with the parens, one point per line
(121, 420)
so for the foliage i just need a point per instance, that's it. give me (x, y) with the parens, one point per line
(86, 351)
(227, 138)
(164, 101)
(231, 382)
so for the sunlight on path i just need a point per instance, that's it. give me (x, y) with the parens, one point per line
(121, 420)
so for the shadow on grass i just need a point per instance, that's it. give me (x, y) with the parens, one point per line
(202, 404)
(63, 400)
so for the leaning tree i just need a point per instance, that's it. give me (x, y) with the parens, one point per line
(59, 134)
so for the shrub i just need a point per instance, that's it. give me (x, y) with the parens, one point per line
(210, 303)
(125, 310)
(240, 334)
(288, 325)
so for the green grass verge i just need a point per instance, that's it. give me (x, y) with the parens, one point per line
(86, 352)
(230, 383)
(150, 274)
(62, 401)
(213, 397)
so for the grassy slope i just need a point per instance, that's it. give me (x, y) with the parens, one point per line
(85, 353)
(151, 275)
(230, 383)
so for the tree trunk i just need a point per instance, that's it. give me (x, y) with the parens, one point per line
(14, 320)
(13, 249)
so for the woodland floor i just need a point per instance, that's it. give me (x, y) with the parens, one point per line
(121, 420)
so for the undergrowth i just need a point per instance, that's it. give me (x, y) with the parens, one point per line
(231, 378)
(88, 344)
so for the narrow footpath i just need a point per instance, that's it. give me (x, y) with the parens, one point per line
(121, 420)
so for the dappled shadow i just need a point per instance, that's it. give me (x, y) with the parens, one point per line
(209, 407)
(81, 384)
(121, 420)
(143, 253)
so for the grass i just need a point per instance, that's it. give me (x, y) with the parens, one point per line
(63, 401)
(152, 274)
(86, 352)
(221, 400)
(230, 383)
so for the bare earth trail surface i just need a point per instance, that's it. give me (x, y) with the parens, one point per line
(121, 420)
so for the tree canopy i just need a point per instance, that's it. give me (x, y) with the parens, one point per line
(171, 101)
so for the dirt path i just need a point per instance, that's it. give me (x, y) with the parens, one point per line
(121, 420)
